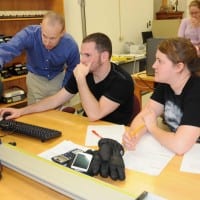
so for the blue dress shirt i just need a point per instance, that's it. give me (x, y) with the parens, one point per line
(41, 61)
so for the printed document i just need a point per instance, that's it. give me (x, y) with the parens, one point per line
(149, 157)
(60, 148)
(191, 161)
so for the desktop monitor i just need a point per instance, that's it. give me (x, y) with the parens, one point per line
(151, 48)
(146, 35)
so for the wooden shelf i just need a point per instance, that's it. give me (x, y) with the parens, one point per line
(21, 19)
(15, 5)
(19, 81)
(13, 78)
(169, 15)
(15, 104)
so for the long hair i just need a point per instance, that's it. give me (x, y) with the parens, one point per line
(181, 50)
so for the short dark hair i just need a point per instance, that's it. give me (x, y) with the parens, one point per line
(102, 41)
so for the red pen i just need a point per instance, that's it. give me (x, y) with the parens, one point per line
(94, 132)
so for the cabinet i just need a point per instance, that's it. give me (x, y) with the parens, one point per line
(11, 25)
(169, 15)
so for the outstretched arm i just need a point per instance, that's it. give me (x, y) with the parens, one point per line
(45, 104)
(139, 127)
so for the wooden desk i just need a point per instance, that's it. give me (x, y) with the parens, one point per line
(171, 183)
(143, 83)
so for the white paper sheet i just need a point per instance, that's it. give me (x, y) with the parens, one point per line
(61, 148)
(106, 131)
(152, 196)
(191, 160)
(149, 156)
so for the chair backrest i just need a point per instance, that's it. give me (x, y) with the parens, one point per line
(69, 109)
(136, 108)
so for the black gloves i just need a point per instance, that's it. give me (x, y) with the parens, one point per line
(108, 161)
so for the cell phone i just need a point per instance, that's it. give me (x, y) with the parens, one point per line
(82, 162)
(66, 158)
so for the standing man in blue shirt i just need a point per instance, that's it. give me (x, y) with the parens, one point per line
(52, 54)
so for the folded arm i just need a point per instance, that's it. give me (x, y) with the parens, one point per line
(179, 142)
(138, 126)
(95, 109)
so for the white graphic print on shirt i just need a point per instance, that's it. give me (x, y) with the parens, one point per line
(173, 115)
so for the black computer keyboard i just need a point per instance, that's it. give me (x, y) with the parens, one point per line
(30, 130)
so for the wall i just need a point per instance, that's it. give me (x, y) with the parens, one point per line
(121, 20)
(187, 12)
(160, 28)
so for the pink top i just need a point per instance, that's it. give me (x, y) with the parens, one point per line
(187, 30)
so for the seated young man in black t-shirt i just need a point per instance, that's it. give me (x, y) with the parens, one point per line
(105, 90)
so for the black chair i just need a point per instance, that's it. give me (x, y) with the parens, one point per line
(1, 89)
(136, 108)
(69, 109)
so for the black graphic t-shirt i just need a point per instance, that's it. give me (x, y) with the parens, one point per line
(183, 109)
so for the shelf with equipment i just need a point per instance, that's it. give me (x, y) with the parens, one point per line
(14, 16)
(14, 81)
(16, 104)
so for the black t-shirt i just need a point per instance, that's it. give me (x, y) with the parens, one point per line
(183, 109)
(117, 86)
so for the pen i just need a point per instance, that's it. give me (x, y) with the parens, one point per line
(94, 132)
(142, 196)
(135, 131)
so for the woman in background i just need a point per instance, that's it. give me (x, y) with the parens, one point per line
(190, 27)
(176, 97)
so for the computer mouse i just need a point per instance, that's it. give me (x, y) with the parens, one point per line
(6, 114)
